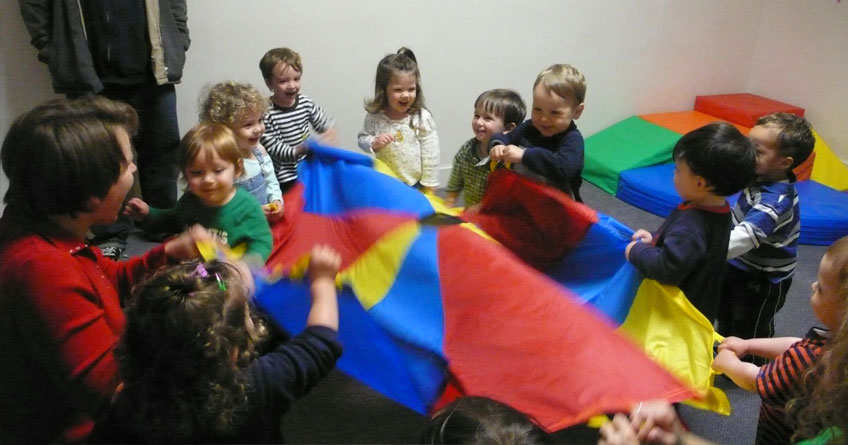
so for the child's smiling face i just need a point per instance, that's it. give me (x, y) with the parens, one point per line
(771, 164)
(400, 93)
(248, 128)
(285, 84)
(551, 113)
(210, 178)
(485, 124)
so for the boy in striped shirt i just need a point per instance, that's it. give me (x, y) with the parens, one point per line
(763, 243)
(287, 122)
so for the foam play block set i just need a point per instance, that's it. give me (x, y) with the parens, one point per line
(632, 160)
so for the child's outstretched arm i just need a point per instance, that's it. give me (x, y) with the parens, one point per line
(769, 348)
(136, 209)
(324, 263)
(272, 187)
(743, 374)
(684, 245)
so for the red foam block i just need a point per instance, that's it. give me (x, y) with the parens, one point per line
(742, 108)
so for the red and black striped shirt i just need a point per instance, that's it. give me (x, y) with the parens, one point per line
(779, 381)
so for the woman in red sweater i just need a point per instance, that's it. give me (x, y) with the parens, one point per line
(69, 165)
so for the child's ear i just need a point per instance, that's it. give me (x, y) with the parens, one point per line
(702, 183)
(509, 127)
(239, 167)
(787, 162)
(578, 111)
(268, 84)
(92, 203)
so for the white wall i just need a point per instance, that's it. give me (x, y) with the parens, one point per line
(801, 57)
(638, 57)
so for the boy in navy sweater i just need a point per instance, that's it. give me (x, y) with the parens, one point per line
(690, 248)
(549, 147)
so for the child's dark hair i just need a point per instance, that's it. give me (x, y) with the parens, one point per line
(74, 144)
(721, 155)
(185, 327)
(503, 103)
(471, 420)
(795, 138)
(401, 62)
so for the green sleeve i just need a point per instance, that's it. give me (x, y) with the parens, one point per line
(163, 220)
(259, 234)
(826, 436)
(253, 227)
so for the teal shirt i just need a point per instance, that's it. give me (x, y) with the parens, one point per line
(240, 221)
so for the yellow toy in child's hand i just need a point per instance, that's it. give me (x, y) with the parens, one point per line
(399, 136)
(272, 207)
(494, 164)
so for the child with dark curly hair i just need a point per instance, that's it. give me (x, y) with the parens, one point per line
(190, 363)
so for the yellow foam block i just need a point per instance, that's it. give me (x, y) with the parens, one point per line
(828, 169)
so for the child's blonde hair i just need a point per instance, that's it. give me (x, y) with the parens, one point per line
(565, 81)
(210, 136)
(227, 101)
(401, 62)
(276, 56)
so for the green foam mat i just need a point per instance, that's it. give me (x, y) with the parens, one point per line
(631, 143)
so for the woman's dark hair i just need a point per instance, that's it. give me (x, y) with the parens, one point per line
(721, 155)
(63, 152)
(472, 420)
(401, 62)
(185, 342)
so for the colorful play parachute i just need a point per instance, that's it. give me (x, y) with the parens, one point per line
(432, 308)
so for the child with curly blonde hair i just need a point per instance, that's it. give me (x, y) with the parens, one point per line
(242, 107)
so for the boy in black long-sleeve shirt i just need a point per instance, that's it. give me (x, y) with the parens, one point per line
(690, 248)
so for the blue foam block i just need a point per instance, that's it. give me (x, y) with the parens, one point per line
(824, 211)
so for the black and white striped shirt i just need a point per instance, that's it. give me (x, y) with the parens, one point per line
(286, 129)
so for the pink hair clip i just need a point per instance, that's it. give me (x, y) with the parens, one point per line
(201, 271)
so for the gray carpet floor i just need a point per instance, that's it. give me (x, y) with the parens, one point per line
(342, 410)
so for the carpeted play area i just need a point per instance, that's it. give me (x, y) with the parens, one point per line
(632, 160)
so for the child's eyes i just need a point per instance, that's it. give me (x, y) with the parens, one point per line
(195, 173)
